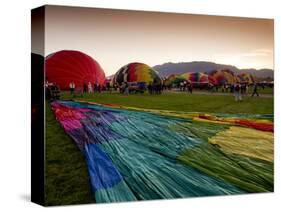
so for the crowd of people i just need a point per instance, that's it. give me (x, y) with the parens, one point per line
(52, 91)
(241, 89)
(238, 89)
(89, 88)
(186, 86)
(154, 88)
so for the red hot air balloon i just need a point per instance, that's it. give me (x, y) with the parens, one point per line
(65, 66)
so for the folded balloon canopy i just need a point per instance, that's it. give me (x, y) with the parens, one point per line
(142, 154)
(65, 66)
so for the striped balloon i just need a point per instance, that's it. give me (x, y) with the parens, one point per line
(195, 77)
(136, 72)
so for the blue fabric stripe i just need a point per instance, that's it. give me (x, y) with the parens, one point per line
(103, 174)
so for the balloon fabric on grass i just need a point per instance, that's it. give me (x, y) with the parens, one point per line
(141, 154)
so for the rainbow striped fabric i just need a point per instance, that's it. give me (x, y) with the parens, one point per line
(141, 154)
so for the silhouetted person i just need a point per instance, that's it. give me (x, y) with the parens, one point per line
(96, 87)
(71, 87)
(126, 91)
(90, 88)
(237, 92)
(84, 88)
(255, 91)
(190, 88)
(149, 87)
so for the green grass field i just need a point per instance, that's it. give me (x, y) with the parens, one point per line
(67, 179)
(183, 102)
(266, 90)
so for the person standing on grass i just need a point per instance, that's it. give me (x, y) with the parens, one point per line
(71, 87)
(255, 91)
(99, 88)
(95, 87)
(90, 88)
(184, 85)
(245, 88)
(190, 88)
(149, 87)
(84, 88)
(126, 91)
(237, 92)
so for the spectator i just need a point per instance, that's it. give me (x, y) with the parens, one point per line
(90, 88)
(71, 87)
(84, 88)
(126, 91)
(190, 88)
(237, 92)
(149, 87)
(255, 91)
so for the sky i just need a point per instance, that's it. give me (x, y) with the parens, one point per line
(115, 38)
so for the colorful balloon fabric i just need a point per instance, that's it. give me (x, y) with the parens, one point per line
(246, 78)
(223, 76)
(212, 80)
(216, 77)
(142, 154)
(169, 81)
(136, 72)
(195, 77)
(65, 66)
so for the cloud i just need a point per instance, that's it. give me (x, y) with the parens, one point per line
(258, 53)
(258, 58)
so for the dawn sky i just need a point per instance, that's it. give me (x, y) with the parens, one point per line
(117, 37)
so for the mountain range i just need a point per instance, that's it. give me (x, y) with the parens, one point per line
(167, 69)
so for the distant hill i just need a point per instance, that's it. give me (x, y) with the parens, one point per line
(167, 69)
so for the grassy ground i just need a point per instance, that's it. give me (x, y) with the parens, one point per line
(266, 90)
(183, 102)
(67, 180)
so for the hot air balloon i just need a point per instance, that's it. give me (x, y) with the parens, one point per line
(223, 76)
(212, 80)
(138, 73)
(65, 66)
(195, 77)
(169, 81)
(246, 78)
